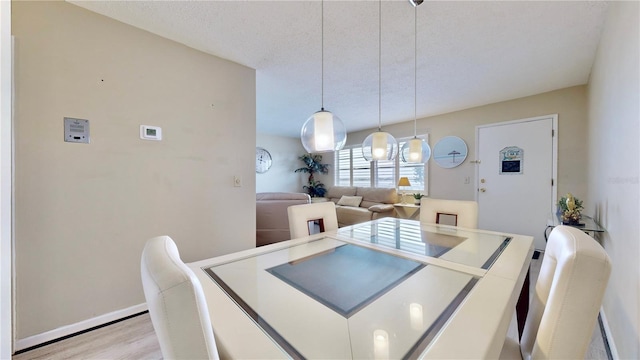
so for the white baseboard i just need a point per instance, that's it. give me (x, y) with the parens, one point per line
(21, 344)
(607, 331)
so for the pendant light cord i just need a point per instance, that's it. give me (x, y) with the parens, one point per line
(380, 65)
(322, 55)
(415, 73)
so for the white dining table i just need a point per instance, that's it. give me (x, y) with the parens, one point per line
(386, 289)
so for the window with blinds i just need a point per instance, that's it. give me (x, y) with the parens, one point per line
(343, 167)
(361, 168)
(385, 174)
(353, 170)
(416, 175)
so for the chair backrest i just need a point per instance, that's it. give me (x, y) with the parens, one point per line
(567, 297)
(300, 215)
(176, 303)
(462, 213)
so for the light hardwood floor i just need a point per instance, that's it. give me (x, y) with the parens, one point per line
(134, 338)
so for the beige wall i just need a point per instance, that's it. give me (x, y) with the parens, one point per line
(569, 104)
(84, 211)
(614, 98)
(285, 152)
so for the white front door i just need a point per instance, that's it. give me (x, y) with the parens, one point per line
(517, 162)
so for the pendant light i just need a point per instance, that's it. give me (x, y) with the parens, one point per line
(323, 131)
(415, 150)
(380, 145)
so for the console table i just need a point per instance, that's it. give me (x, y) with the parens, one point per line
(587, 224)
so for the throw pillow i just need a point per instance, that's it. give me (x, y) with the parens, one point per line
(350, 200)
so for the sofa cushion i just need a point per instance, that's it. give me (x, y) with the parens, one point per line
(381, 208)
(376, 203)
(374, 196)
(350, 200)
(334, 193)
(349, 215)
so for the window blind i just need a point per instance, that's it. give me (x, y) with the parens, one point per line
(353, 170)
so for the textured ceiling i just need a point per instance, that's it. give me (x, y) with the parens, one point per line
(469, 53)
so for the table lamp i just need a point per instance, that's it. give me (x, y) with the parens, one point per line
(404, 181)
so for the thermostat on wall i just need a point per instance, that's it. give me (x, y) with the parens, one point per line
(148, 132)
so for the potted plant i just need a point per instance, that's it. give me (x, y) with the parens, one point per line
(570, 208)
(417, 197)
(313, 164)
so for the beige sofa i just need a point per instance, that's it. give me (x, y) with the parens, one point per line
(375, 203)
(272, 222)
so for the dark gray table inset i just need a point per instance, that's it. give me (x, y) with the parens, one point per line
(348, 277)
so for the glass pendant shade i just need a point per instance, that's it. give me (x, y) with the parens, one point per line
(323, 132)
(379, 146)
(415, 151)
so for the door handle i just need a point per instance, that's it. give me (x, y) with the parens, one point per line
(482, 190)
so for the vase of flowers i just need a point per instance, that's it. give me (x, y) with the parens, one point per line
(570, 208)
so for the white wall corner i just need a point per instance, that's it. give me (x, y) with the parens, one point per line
(6, 268)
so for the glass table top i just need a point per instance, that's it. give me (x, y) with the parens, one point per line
(327, 298)
(468, 247)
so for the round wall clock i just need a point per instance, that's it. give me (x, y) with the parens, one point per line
(450, 152)
(263, 160)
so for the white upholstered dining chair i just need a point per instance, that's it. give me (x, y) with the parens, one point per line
(449, 212)
(566, 301)
(176, 303)
(300, 216)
